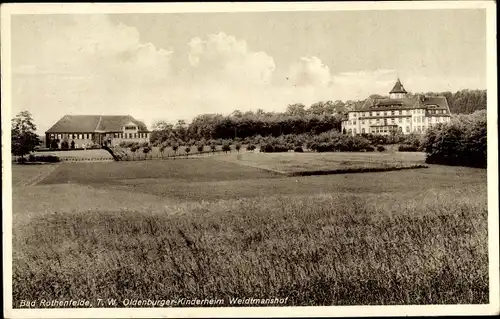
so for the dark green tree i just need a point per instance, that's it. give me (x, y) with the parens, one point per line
(175, 147)
(23, 137)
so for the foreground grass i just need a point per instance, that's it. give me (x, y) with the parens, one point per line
(315, 249)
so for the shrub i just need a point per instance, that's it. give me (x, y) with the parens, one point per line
(334, 142)
(380, 148)
(369, 148)
(407, 148)
(213, 147)
(250, 147)
(187, 150)
(273, 148)
(200, 147)
(64, 145)
(298, 149)
(53, 144)
(276, 144)
(134, 148)
(21, 160)
(226, 147)
(238, 147)
(413, 140)
(45, 158)
(462, 141)
(72, 144)
(175, 147)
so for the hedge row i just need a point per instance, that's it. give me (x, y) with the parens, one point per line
(326, 142)
(42, 158)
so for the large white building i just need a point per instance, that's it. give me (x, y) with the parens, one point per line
(398, 113)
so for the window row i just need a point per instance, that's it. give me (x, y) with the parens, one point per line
(385, 129)
(88, 136)
(378, 121)
(439, 119)
(396, 112)
(130, 135)
(84, 136)
(437, 111)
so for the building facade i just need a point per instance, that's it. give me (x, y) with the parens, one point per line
(87, 130)
(398, 113)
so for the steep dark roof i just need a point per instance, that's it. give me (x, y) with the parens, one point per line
(413, 102)
(398, 88)
(92, 123)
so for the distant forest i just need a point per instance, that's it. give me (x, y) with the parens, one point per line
(464, 101)
(297, 119)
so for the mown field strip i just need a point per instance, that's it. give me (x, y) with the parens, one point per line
(39, 176)
(307, 164)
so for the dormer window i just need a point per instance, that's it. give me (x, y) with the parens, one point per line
(130, 127)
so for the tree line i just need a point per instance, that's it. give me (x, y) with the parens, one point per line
(318, 118)
(297, 119)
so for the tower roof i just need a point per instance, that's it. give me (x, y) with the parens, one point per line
(398, 88)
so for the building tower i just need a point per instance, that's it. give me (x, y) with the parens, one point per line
(398, 91)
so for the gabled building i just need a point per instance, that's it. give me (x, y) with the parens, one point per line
(85, 130)
(398, 113)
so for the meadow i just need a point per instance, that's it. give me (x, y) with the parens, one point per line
(290, 162)
(76, 154)
(210, 227)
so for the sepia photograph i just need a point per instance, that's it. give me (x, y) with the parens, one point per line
(249, 159)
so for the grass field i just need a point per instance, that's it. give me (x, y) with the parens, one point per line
(304, 162)
(90, 153)
(212, 228)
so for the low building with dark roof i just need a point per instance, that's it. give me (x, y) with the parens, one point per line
(87, 130)
(399, 113)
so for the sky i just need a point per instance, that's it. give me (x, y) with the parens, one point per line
(178, 65)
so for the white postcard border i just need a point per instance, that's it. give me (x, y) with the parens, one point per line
(331, 311)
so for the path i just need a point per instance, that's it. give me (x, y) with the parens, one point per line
(40, 176)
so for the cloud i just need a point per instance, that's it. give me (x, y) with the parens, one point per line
(361, 84)
(224, 58)
(88, 45)
(87, 64)
(309, 71)
(82, 64)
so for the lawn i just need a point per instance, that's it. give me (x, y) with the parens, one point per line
(322, 162)
(211, 228)
(211, 179)
(77, 154)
